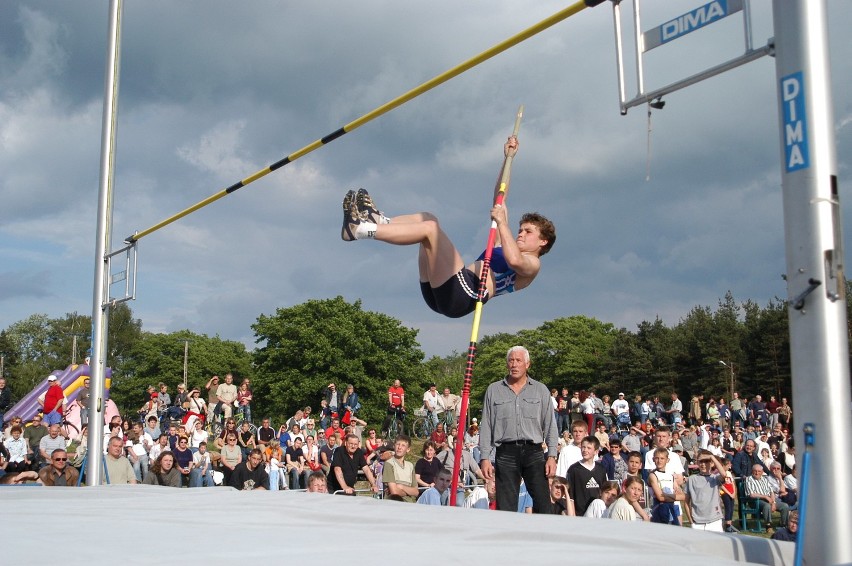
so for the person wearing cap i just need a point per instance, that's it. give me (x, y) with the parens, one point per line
(620, 405)
(430, 403)
(149, 408)
(517, 419)
(53, 402)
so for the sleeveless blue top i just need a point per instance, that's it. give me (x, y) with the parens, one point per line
(504, 276)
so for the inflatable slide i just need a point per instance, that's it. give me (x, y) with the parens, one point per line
(71, 380)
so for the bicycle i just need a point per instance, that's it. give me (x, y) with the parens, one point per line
(395, 426)
(423, 426)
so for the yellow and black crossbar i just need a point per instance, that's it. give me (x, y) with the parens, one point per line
(383, 109)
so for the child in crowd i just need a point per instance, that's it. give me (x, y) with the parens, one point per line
(627, 507)
(665, 491)
(609, 493)
(703, 490)
(560, 498)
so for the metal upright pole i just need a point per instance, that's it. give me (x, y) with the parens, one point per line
(815, 280)
(100, 308)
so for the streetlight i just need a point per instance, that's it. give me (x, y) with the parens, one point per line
(730, 366)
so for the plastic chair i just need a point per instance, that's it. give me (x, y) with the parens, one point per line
(747, 506)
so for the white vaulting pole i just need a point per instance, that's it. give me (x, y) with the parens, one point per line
(815, 280)
(100, 310)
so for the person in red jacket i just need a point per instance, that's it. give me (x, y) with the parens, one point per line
(54, 402)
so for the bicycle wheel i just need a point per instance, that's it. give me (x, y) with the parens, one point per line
(394, 429)
(421, 428)
(69, 431)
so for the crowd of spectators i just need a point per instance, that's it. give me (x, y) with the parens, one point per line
(617, 459)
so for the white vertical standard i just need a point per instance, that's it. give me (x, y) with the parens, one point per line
(100, 308)
(815, 281)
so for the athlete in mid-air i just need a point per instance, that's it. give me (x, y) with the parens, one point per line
(448, 286)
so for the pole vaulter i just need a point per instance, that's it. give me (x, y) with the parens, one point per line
(379, 111)
(477, 313)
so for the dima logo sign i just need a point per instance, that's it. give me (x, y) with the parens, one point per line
(691, 21)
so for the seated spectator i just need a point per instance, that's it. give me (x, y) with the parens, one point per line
(229, 428)
(759, 490)
(335, 429)
(230, 457)
(398, 475)
(250, 474)
(163, 471)
(162, 445)
(118, 468)
(310, 428)
(33, 435)
(297, 467)
(14, 421)
(21, 478)
(58, 472)
(560, 499)
(20, 455)
(264, 434)
(468, 469)
(152, 428)
(614, 462)
(439, 494)
(603, 437)
(201, 474)
(428, 466)
(371, 445)
(196, 408)
(327, 453)
(183, 458)
(311, 452)
(296, 463)
(439, 437)
(471, 440)
(245, 439)
(273, 456)
(286, 439)
(597, 508)
(779, 486)
(317, 483)
(627, 507)
(483, 497)
(788, 532)
(451, 437)
(51, 442)
(199, 435)
(745, 460)
(138, 445)
(345, 465)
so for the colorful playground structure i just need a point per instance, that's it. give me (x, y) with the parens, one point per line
(71, 379)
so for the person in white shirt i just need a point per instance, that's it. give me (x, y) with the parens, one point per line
(430, 403)
(201, 474)
(620, 405)
(570, 453)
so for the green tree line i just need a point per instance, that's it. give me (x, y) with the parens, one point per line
(299, 350)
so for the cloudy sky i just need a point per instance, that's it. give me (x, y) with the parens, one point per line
(213, 91)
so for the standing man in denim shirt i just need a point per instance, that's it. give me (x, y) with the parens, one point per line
(517, 418)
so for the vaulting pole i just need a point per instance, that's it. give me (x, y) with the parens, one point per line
(383, 109)
(477, 313)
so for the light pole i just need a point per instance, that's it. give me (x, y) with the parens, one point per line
(730, 366)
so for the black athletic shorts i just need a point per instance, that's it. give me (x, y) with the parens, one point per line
(456, 297)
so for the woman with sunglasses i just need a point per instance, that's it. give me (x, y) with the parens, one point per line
(230, 456)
